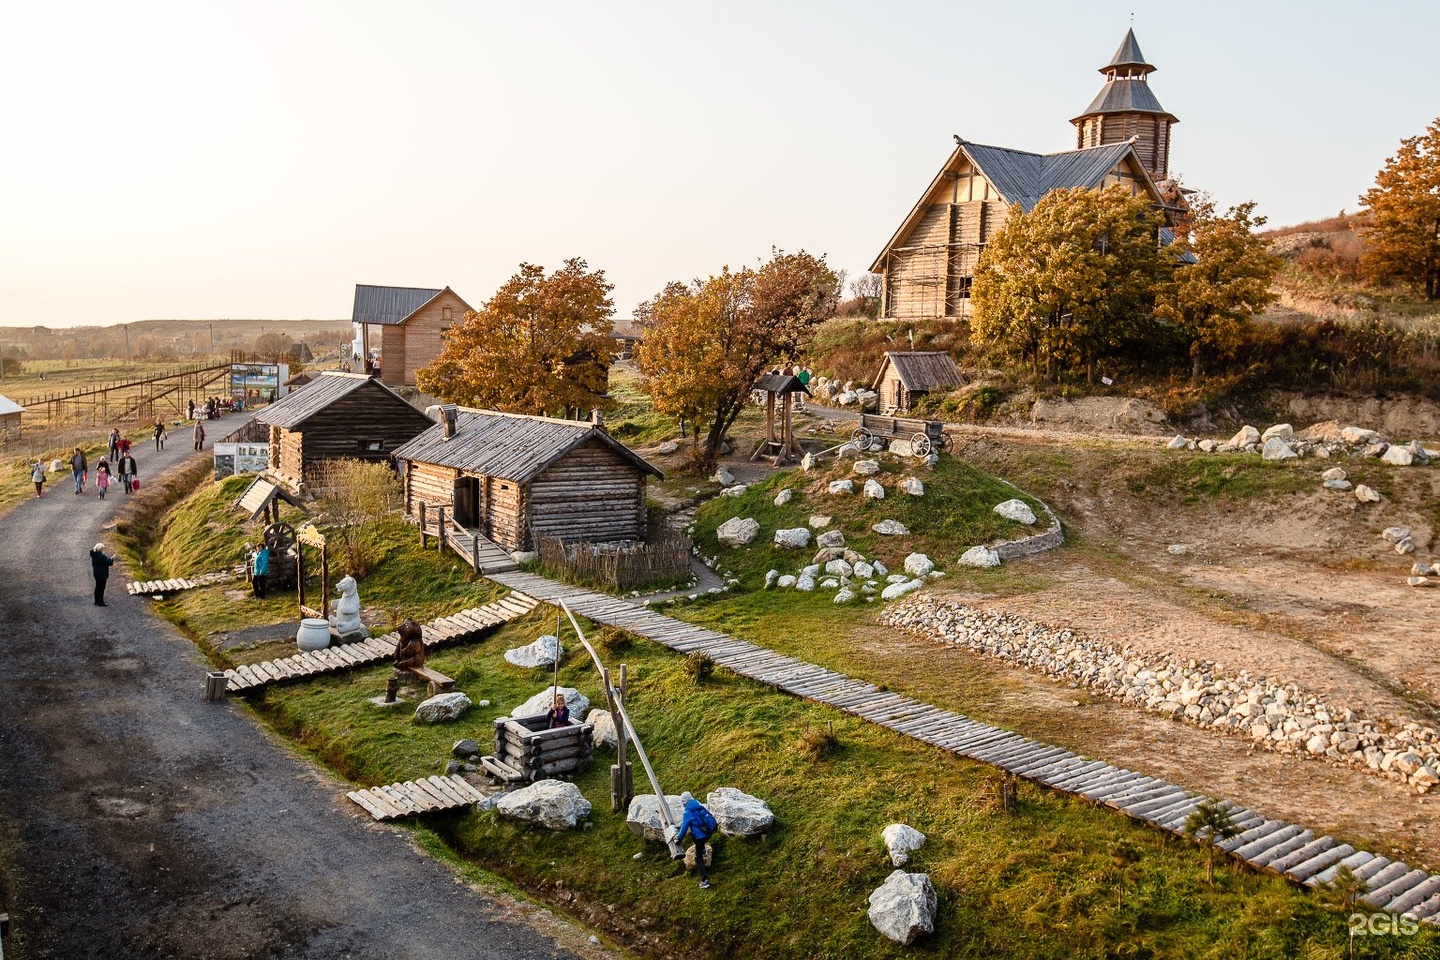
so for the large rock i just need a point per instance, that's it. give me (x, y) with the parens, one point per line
(739, 814)
(863, 570)
(786, 582)
(919, 565)
(845, 595)
(792, 538)
(979, 557)
(724, 477)
(839, 568)
(542, 653)
(891, 528)
(1277, 449)
(667, 448)
(913, 486)
(1178, 442)
(604, 724)
(543, 701)
(901, 841)
(1395, 534)
(550, 803)
(897, 590)
(842, 486)
(1398, 455)
(1017, 510)
(1244, 437)
(1281, 430)
(784, 497)
(736, 491)
(1359, 436)
(1365, 494)
(820, 521)
(866, 468)
(805, 582)
(441, 709)
(643, 816)
(873, 490)
(831, 538)
(902, 447)
(1334, 473)
(738, 532)
(903, 907)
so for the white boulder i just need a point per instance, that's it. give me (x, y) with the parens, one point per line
(1358, 436)
(913, 486)
(897, 590)
(903, 907)
(724, 477)
(1277, 449)
(739, 814)
(873, 490)
(667, 448)
(919, 565)
(604, 724)
(1334, 473)
(1365, 494)
(785, 582)
(1178, 442)
(839, 568)
(1398, 456)
(784, 497)
(1246, 436)
(735, 491)
(979, 557)
(550, 803)
(1395, 534)
(738, 532)
(863, 570)
(442, 708)
(543, 701)
(643, 815)
(842, 486)
(845, 595)
(805, 582)
(830, 538)
(820, 522)
(902, 447)
(891, 528)
(793, 538)
(542, 653)
(1017, 510)
(865, 468)
(1282, 430)
(901, 840)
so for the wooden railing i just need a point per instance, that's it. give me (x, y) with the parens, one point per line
(447, 531)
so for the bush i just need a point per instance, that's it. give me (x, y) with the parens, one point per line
(699, 667)
(359, 495)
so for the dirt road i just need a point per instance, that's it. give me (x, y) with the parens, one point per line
(138, 820)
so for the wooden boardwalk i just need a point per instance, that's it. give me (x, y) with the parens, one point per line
(139, 588)
(479, 552)
(452, 629)
(426, 795)
(1266, 844)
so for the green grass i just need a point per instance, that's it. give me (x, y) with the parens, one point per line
(633, 421)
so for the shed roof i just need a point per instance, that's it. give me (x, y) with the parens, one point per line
(390, 306)
(782, 383)
(509, 446)
(295, 408)
(10, 406)
(922, 370)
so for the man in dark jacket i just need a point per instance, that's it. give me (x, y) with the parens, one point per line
(700, 824)
(100, 566)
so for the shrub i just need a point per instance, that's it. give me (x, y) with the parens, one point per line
(699, 667)
(817, 743)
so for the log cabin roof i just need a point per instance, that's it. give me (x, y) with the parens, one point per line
(10, 406)
(921, 370)
(509, 446)
(1022, 177)
(392, 306)
(293, 409)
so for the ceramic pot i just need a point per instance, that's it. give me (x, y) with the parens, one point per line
(314, 634)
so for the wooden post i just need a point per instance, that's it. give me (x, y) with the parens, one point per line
(216, 683)
(441, 528)
(423, 507)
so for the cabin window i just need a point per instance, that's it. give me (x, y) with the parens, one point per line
(445, 313)
(371, 446)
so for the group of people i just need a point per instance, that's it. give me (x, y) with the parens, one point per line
(119, 462)
(211, 408)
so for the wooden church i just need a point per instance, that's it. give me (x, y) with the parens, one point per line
(1122, 138)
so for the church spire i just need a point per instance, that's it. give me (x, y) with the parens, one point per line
(1126, 108)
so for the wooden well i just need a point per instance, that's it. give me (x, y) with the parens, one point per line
(526, 751)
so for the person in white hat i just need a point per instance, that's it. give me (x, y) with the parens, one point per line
(100, 565)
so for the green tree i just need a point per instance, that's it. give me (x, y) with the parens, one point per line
(706, 342)
(541, 345)
(1071, 282)
(1404, 234)
(1211, 822)
(1214, 294)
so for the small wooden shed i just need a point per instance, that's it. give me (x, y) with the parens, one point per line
(338, 416)
(511, 478)
(906, 376)
(10, 413)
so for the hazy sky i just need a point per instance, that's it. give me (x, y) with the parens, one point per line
(219, 159)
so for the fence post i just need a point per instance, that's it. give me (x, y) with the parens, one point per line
(441, 529)
(423, 507)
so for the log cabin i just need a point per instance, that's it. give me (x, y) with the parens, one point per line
(906, 376)
(337, 416)
(406, 325)
(1122, 138)
(511, 477)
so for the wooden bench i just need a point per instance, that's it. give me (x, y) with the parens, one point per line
(436, 682)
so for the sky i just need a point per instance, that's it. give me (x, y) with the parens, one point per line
(257, 159)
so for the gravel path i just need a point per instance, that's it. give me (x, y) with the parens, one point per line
(138, 820)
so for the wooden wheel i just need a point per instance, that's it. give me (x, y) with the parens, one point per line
(920, 445)
(280, 538)
(946, 442)
(862, 438)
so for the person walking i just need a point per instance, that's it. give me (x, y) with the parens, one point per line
(260, 570)
(700, 824)
(129, 473)
(159, 435)
(37, 474)
(102, 477)
(80, 467)
(114, 444)
(100, 565)
(192, 409)
(199, 435)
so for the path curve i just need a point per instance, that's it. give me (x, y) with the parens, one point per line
(138, 820)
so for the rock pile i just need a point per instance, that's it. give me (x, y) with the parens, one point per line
(1276, 715)
(1281, 442)
(842, 394)
(850, 574)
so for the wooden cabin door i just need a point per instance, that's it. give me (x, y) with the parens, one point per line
(467, 502)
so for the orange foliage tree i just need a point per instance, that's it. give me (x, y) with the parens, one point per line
(1405, 201)
(705, 343)
(541, 345)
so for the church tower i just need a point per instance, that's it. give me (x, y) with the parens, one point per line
(1126, 108)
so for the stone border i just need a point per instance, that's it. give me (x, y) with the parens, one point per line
(1040, 542)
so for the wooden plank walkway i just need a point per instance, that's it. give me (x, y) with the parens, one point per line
(1270, 845)
(452, 629)
(413, 797)
(475, 548)
(140, 588)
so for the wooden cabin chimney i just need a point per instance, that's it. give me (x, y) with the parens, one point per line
(445, 413)
(597, 417)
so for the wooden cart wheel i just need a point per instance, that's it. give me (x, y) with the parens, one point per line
(862, 438)
(947, 443)
(920, 445)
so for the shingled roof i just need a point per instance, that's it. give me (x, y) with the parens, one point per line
(295, 408)
(509, 446)
(922, 370)
(389, 306)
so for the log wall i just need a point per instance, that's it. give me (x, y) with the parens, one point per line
(589, 494)
(930, 270)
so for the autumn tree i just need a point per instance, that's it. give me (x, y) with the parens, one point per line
(1220, 285)
(541, 345)
(274, 344)
(1072, 281)
(1404, 233)
(705, 343)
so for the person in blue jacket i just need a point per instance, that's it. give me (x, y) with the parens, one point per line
(700, 824)
(260, 571)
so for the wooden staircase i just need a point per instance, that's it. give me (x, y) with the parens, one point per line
(480, 553)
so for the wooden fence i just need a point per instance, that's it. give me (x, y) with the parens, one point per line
(619, 566)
